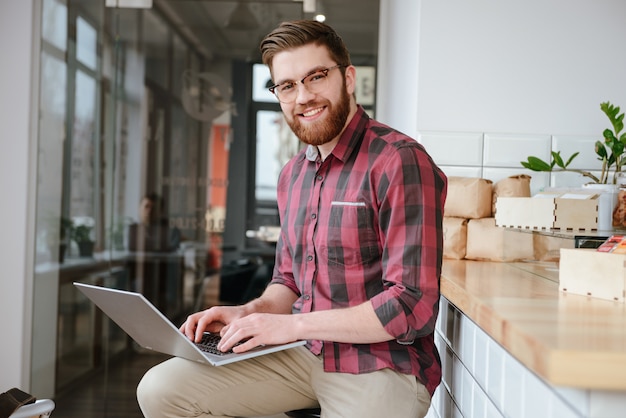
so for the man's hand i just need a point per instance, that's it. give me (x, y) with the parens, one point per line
(211, 320)
(258, 329)
(272, 308)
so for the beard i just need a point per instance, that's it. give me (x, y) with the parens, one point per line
(324, 131)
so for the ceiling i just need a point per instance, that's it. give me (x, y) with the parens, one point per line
(204, 23)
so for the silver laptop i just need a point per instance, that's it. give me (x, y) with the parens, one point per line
(152, 330)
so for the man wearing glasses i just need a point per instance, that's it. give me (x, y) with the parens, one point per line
(357, 264)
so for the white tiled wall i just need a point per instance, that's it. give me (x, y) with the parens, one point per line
(496, 156)
(482, 380)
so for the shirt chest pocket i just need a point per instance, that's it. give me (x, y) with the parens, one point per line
(352, 238)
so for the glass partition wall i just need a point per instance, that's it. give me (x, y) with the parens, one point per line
(140, 119)
(130, 167)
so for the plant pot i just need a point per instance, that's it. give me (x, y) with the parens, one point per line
(85, 249)
(606, 203)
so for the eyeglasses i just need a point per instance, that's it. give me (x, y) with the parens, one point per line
(315, 82)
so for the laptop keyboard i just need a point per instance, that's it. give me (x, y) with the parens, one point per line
(209, 343)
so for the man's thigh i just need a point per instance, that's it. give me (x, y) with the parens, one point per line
(384, 393)
(264, 385)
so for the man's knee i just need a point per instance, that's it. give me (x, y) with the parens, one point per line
(152, 390)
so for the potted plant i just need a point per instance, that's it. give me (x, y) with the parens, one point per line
(81, 234)
(610, 152)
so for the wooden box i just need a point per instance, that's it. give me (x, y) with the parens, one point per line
(592, 273)
(570, 211)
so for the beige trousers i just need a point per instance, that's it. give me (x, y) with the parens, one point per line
(275, 383)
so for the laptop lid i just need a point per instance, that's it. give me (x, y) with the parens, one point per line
(145, 324)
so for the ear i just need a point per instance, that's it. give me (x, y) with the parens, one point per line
(350, 79)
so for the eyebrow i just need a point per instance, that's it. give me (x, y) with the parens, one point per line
(313, 71)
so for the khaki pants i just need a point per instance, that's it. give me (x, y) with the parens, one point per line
(275, 383)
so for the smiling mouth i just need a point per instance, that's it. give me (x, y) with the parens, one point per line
(313, 112)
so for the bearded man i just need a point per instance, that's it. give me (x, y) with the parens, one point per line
(357, 266)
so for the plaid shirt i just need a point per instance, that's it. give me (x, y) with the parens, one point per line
(366, 224)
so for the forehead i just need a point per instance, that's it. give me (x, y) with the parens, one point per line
(295, 63)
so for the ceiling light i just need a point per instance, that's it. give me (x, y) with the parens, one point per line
(242, 18)
(320, 10)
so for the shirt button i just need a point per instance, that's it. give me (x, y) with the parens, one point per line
(319, 177)
(309, 258)
(307, 297)
(313, 216)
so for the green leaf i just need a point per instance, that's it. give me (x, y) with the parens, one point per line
(601, 150)
(612, 113)
(537, 164)
(608, 135)
(557, 159)
(574, 155)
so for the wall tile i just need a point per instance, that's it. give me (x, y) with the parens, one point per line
(466, 348)
(561, 409)
(605, 404)
(538, 181)
(569, 144)
(446, 405)
(491, 411)
(481, 356)
(458, 171)
(456, 413)
(514, 395)
(443, 315)
(457, 381)
(578, 399)
(495, 374)
(467, 400)
(451, 148)
(507, 150)
(568, 180)
(447, 367)
(479, 405)
(537, 396)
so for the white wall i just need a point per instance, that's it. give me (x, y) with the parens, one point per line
(397, 93)
(520, 67)
(501, 66)
(16, 34)
(483, 84)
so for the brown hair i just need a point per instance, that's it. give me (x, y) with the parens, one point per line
(298, 33)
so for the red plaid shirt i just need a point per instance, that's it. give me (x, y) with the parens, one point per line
(366, 224)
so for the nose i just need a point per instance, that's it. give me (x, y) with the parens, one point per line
(303, 95)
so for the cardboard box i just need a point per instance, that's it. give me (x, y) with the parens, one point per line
(567, 211)
(593, 273)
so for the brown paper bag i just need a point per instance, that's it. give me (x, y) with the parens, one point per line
(514, 186)
(548, 248)
(468, 197)
(488, 242)
(454, 237)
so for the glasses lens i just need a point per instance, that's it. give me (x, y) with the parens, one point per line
(314, 83)
(286, 92)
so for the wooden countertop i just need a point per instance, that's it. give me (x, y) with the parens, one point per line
(569, 340)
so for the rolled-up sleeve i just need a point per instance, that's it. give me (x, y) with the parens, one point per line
(412, 194)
